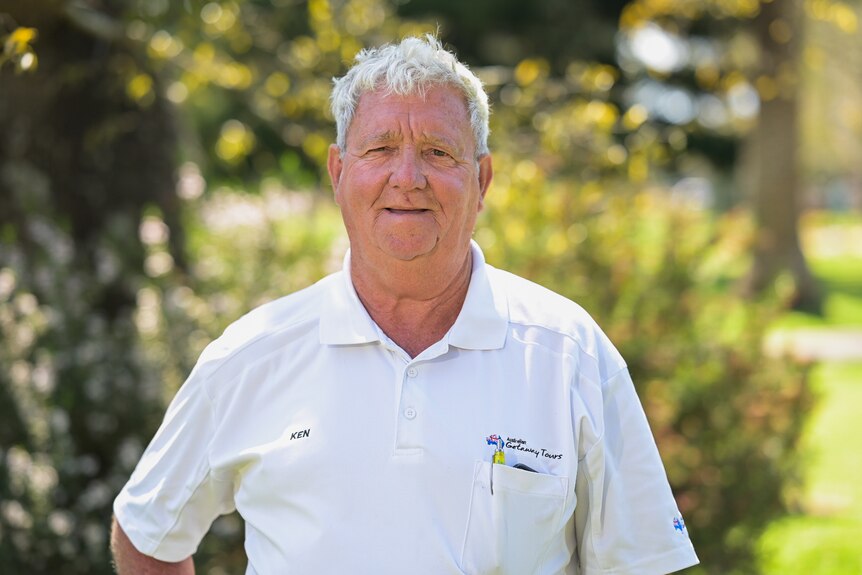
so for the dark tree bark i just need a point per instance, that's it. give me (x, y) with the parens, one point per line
(774, 145)
(103, 154)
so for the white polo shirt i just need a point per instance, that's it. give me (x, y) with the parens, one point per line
(344, 455)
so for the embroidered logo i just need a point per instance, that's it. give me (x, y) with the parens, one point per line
(679, 524)
(521, 445)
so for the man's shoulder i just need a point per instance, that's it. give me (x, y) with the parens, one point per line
(299, 311)
(532, 305)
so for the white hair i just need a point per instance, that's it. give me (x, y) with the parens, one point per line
(408, 68)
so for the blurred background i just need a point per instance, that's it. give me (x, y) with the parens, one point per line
(690, 171)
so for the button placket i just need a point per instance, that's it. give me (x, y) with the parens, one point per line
(408, 436)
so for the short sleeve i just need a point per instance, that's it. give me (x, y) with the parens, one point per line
(626, 519)
(173, 496)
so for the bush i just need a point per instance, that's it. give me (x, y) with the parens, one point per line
(77, 399)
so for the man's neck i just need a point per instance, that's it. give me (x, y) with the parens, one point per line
(415, 303)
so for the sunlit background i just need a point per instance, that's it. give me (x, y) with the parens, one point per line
(690, 171)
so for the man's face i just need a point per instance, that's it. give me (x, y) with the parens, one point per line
(408, 184)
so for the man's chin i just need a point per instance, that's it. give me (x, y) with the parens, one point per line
(408, 255)
(409, 250)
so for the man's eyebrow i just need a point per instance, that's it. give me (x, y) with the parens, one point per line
(392, 136)
(443, 142)
(378, 138)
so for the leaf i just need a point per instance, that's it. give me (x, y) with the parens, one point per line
(19, 41)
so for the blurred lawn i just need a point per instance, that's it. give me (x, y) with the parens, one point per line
(824, 539)
(832, 241)
(841, 280)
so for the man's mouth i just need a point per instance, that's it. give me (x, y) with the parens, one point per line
(409, 211)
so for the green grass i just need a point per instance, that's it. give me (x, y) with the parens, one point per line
(834, 475)
(831, 242)
(841, 281)
(825, 540)
(812, 546)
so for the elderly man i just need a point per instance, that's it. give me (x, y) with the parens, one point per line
(419, 412)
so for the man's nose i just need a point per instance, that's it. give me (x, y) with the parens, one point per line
(407, 170)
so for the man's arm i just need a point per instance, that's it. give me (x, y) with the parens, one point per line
(129, 561)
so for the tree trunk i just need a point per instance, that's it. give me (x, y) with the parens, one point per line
(81, 160)
(775, 145)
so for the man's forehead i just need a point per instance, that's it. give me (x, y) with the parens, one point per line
(441, 111)
(424, 95)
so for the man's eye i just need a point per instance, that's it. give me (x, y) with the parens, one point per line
(438, 153)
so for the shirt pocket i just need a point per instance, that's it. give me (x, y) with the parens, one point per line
(509, 531)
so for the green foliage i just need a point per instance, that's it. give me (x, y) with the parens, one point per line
(76, 398)
(254, 77)
(17, 48)
(79, 160)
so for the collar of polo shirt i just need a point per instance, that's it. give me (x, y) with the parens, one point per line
(481, 324)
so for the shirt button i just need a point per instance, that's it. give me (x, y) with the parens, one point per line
(412, 372)
(410, 413)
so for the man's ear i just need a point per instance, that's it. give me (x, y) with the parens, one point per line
(486, 174)
(334, 164)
